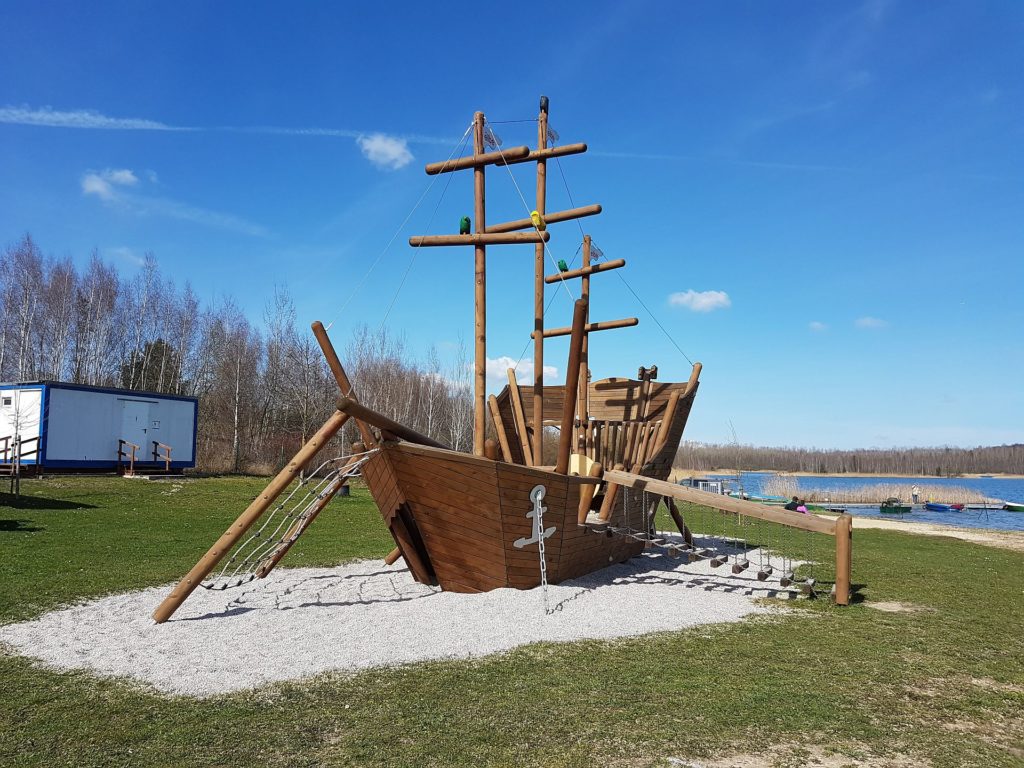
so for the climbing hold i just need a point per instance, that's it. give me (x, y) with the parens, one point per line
(562, 266)
(538, 221)
(464, 225)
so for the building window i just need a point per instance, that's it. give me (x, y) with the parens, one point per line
(7, 401)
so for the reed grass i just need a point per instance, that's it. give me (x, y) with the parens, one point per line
(780, 485)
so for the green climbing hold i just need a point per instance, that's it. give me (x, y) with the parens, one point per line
(464, 225)
(562, 266)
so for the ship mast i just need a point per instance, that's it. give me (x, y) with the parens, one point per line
(480, 292)
(538, 291)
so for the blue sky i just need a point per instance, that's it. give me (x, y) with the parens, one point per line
(822, 202)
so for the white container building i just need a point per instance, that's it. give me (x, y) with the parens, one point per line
(76, 427)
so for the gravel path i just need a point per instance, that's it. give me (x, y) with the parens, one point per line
(307, 621)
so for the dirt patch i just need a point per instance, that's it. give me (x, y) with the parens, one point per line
(1002, 539)
(994, 685)
(1000, 732)
(794, 755)
(893, 606)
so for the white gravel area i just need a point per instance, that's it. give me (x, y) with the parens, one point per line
(306, 621)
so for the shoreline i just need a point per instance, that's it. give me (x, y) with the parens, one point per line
(679, 472)
(1012, 540)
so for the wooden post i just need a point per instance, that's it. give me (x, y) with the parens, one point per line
(582, 399)
(520, 418)
(252, 513)
(491, 449)
(587, 493)
(344, 384)
(572, 381)
(538, 290)
(678, 519)
(392, 557)
(499, 428)
(844, 547)
(611, 491)
(480, 293)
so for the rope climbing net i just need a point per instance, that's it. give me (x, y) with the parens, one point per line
(257, 554)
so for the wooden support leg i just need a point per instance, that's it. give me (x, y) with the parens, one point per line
(677, 518)
(844, 547)
(252, 513)
(392, 556)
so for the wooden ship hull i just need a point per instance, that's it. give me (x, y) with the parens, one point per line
(460, 520)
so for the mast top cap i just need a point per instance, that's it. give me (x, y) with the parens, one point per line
(544, 104)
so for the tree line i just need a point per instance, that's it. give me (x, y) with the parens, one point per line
(263, 390)
(941, 462)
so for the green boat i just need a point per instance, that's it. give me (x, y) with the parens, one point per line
(1012, 506)
(893, 506)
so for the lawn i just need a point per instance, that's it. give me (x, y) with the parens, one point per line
(942, 685)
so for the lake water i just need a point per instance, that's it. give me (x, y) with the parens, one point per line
(995, 488)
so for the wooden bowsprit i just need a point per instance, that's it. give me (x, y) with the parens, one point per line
(841, 528)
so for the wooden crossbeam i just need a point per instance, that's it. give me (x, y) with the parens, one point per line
(480, 238)
(547, 154)
(505, 156)
(724, 503)
(604, 325)
(549, 218)
(604, 266)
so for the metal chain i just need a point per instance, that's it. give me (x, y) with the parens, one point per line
(537, 495)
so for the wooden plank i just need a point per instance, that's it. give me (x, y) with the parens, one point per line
(520, 417)
(499, 428)
(724, 503)
(572, 379)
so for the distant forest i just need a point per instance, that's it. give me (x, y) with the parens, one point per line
(264, 390)
(941, 462)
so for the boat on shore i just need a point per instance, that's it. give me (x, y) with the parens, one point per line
(934, 506)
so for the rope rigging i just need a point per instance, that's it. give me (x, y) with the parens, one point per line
(280, 527)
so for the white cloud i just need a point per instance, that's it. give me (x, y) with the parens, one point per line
(817, 326)
(127, 255)
(497, 370)
(386, 152)
(700, 301)
(870, 322)
(102, 183)
(109, 184)
(80, 118)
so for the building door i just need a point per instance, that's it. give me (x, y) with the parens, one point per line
(135, 426)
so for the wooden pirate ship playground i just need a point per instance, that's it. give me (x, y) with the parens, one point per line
(500, 516)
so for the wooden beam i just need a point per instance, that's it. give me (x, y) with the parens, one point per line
(844, 546)
(251, 514)
(479, 291)
(604, 325)
(320, 333)
(392, 557)
(694, 378)
(547, 154)
(538, 287)
(518, 154)
(479, 239)
(549, 218)
(382, 422)
(519, 415)
(583, 398)
(572, 382)
(604, 266)
(499, 428)
(723, 503)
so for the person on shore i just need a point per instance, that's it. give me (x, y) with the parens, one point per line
(791, 506)
(915, 492)
(802, 507)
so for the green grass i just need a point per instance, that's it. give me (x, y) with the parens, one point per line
(944, 686)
